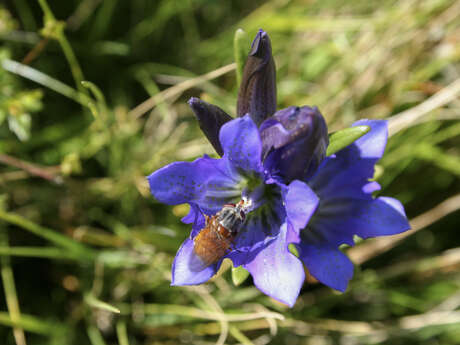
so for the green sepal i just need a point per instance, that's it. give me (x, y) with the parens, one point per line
(341, 139)
(239, 275)
(293, 249)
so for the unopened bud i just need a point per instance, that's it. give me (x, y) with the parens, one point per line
(210, 118)
(257, 94)
(294, 142)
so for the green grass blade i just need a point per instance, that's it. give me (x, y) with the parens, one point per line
(95, 335)
(28, 323)
(48, 234)
(92, 301)
(240, 51)
(45, 80)
(122, 333)
(10, 291)
(341, 139)
(40, 252)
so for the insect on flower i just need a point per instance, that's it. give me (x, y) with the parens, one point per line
(215, 239)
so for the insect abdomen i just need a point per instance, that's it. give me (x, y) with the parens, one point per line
(212, 243)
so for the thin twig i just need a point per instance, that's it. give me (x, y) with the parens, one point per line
(36, 51)
(82, 12)
(271, 322)
(172, 309)
(447, 261)
(429, 319)
(209, 300)
(413, 115)
(175, 90)
(33, 169)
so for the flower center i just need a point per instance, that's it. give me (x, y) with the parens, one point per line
(266, 207)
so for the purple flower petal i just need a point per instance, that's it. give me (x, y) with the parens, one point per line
(338, 220)
(300, 202)
(346, 173)
(372, 144)
(347, 207)
(277, 272)
(325, 227)
(380, 217)
(192, 214)
(341, 176)
(195, 217)
(209, 183)
(327, 264)
(241, 144)
(249, 242)
(188, 269)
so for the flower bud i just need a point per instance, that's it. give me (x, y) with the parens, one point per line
(257, 94)
(294, 142)
(210, 118)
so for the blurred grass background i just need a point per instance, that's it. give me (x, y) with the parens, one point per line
(85, 250)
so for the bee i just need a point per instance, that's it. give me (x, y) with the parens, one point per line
(219, 232)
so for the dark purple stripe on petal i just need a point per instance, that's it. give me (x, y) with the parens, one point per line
(207, 182)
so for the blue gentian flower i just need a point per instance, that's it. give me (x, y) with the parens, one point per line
(207, 184)
(297, 195)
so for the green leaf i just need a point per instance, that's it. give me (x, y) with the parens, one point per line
(241, 46)
(239, 275)
(341, 139)
(20, 125)
(96, 303)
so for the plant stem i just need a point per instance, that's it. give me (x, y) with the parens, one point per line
(10, 292)
(58, 34)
